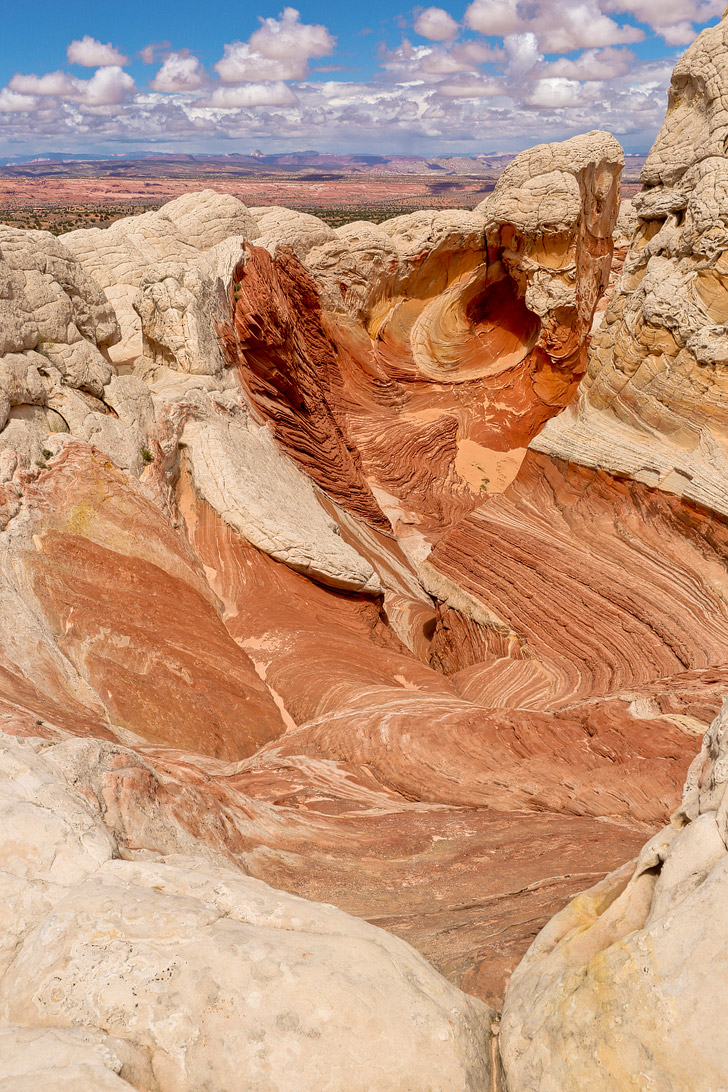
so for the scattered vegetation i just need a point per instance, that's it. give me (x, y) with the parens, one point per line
(336, 217)
(61, 218)
(147, 456)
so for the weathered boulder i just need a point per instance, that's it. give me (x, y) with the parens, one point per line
(625, 988)
(145, 967)
(63, 1060)
(278, 226)
(118, 257)
(56, 328)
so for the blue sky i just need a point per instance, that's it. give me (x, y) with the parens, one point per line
(483, 76)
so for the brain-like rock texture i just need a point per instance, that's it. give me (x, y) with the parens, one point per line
(121, 256)
(653, 403)
(294, 626)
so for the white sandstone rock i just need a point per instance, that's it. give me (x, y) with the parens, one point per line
(146, 968)
(240, 471)
(625, 988)
(119, 256)
(279, 226)
(653, 402)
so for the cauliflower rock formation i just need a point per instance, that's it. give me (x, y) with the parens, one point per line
(653, 403)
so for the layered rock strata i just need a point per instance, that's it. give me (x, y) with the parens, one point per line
(442, 341)
(583, 585)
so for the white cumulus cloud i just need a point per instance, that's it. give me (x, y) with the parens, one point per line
(287, 37)
(90, 53)
(408, 61)
(499, 17)
(436, 24)
(180, 72)
(523, 54)
(154, 52)
(672, 19)
(471, 87)
(107, 87)
(280, 49)
(253, 94)
(560, 26)
(12, 102)
(553, 93)
(593, 64)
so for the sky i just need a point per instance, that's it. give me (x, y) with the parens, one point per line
(375, 77)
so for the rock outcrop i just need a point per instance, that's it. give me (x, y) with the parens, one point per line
(140, 967)
(212, 562)
(583, 586)
(121, 256)
(442, 342)
(626, 987)
(654, 401)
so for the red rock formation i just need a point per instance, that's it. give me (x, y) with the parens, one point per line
(449, 749)
(127, 605)
(441, 343)
(603, 585)
(459, 830)
(288, 365)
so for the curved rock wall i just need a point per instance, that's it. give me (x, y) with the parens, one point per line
(443, 340)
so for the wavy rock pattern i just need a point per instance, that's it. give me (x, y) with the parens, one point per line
(445, 341)
(112, 607)
(289, 368)
(595, 585)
